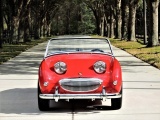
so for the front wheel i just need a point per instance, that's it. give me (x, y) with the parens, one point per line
(43, 104)
(116, 102)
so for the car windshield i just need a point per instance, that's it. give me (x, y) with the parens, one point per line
(74, 45)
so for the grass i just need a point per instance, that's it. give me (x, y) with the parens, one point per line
(11, 50)
(150, 55)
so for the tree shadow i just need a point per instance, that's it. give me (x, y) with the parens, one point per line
(23, 64)
(24, 101)
(133, 63)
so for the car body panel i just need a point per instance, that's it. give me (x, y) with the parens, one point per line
(79, 66)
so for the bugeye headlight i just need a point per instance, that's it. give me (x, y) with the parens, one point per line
(100, 67)
(60, 67)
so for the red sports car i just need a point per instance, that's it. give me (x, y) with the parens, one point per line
(79, 68)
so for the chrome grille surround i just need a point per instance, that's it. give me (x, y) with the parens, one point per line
(80, 84)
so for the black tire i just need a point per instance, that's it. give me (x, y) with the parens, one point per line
(116, 102)
(43, 104)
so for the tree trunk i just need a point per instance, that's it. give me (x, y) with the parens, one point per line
(26, 31)
(48, 25)
(36, 24)
(153, 26)
(68, 21)
(97, 25)
(49, 30)
(1, 24)
(125, 16)
(132, 17)
(16, 9)
(102, 26)
(106, 27)
(9, 28)
(97, 22)
(27, 26)
(42, 28)
(45, 28)
(15, 27)
(36, 29)
(20, 34)
(112, 27)
(118, 19)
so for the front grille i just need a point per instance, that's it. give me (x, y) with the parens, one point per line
(80, 84)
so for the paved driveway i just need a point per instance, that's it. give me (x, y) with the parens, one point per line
(18, 98)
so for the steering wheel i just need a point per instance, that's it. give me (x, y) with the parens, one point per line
(96, 49)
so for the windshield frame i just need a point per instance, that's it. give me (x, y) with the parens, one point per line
(69, 52)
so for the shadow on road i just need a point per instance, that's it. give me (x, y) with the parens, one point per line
(23, 64)
(24, 101)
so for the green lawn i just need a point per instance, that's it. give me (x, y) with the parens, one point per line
(150, 55)
(11, 50)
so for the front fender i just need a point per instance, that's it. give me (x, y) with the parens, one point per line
(117, 76)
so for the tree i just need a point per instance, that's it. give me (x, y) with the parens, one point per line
(86, 20)
(73, 17)
(118, 19)
(125, 16)
(132, 17)
(153, 39)
(111, 18)
(15, 14)
(1, 23)
(16, 7)
(26, 21)
(42, 13)
(97, 6)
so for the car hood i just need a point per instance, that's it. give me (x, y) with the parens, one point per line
(79, 65)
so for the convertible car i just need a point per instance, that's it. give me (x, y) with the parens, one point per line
(79, 68)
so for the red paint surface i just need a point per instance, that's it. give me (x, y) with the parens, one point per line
(80, 63)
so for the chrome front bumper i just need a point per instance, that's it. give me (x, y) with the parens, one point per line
(103, 96)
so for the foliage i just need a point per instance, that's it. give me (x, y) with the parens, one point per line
(87, 26)
(23, 20)
(73, 17)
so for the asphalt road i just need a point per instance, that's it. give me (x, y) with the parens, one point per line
(18, 93)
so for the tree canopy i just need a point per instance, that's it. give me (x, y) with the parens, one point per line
(22, 20)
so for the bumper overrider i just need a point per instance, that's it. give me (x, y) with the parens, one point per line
(79, 82)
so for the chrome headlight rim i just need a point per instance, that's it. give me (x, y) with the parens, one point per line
(99, 67)
(60, 67)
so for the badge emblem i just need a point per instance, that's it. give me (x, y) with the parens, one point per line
(80, 74)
